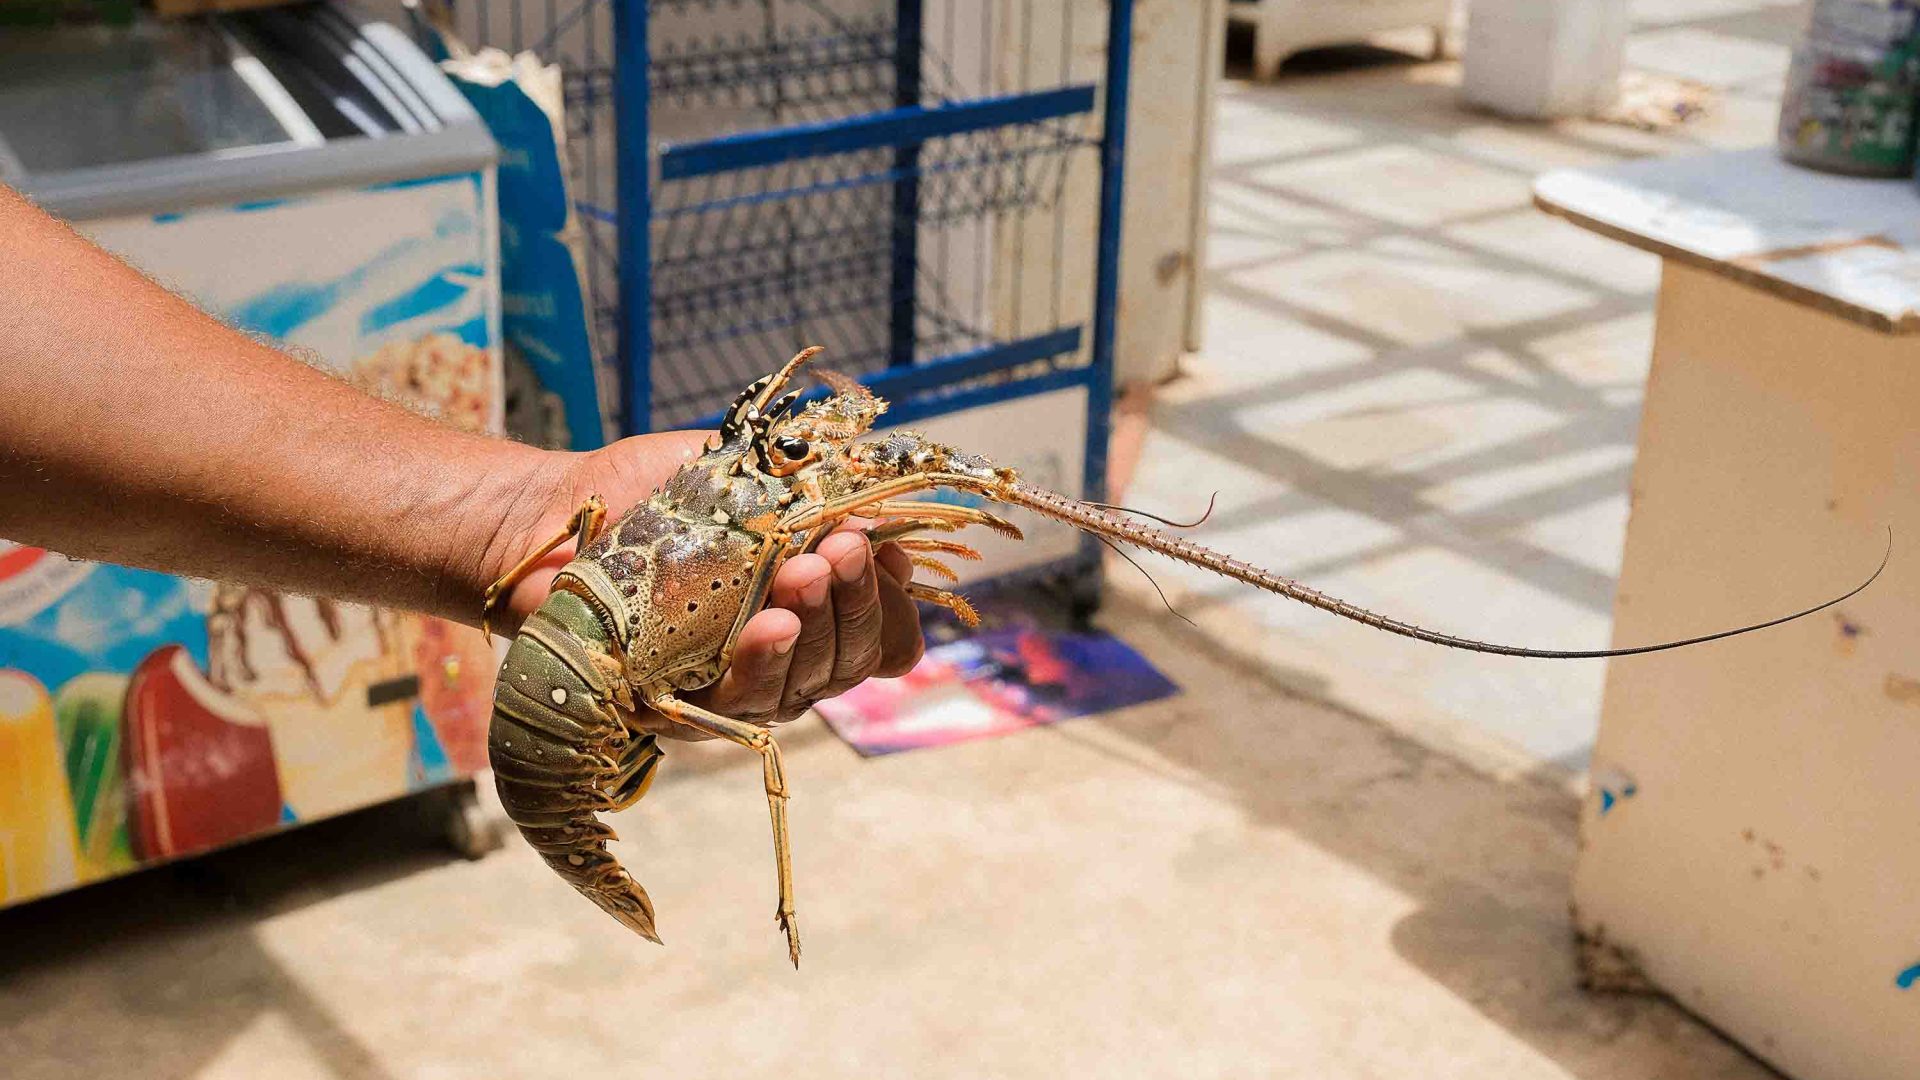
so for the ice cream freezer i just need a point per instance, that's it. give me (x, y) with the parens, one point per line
(307, 174)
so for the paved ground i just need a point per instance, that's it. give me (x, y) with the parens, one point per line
(1421, 393)
(1333, 862)
(1245, 883)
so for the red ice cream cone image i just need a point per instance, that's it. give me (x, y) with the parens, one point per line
(199, 761)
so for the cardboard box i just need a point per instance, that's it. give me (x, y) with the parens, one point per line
(1750, 846)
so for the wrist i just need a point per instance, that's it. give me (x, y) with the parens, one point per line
(528, 500)
(511, 498)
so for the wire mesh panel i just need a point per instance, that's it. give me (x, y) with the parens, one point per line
(752, 263)
(967, 224)
(929, 188)
(769, 63)
(578, 36)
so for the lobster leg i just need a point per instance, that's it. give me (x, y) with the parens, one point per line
(896, 528)
(766, 562)
(585, 523)
(633, 773)
(932, 511)
(940, 547)
(922, 553)
(758, 739)
(885, 500)
(953, 602)
(937, 568)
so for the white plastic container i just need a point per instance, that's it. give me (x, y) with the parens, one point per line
(1540, 59)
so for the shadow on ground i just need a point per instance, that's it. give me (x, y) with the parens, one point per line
(189, 972)
(1486, 859)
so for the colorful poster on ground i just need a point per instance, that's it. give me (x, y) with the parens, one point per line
(1014, 673)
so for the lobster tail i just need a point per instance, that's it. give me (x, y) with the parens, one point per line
(560, 754)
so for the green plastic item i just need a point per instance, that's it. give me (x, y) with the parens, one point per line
(87, 713)
(1849, 104)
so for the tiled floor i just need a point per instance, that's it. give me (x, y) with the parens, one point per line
(1421, 393)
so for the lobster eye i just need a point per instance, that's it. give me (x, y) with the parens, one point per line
(791, 448)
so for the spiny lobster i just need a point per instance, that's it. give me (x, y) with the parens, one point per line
(652, 606)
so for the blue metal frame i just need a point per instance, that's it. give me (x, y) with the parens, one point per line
(1113, 162)
(913, 389)
(899, 385)
(634, 206)
(905, 126)
(904, 273)
(914, 410)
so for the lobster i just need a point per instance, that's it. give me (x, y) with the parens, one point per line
(652, 605)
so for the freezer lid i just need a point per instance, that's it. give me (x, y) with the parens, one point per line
(160, 116)
(74, 98)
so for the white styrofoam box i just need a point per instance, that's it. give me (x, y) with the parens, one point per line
(1284, 27)
(1538, 59)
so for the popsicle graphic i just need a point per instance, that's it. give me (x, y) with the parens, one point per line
(88, 712)
(37, 841)
(199, 762)
(456, 665)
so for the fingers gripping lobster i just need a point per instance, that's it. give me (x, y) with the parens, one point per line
(653, 605)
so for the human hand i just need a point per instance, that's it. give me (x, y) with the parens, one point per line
(834, 617)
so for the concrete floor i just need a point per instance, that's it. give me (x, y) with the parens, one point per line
(1333, 856)
(1244, 882)
(1417, 391)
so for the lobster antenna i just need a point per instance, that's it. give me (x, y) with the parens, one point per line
(780, 378)
(1118, 550)
(781, 407)
(839, 381)
(1105, 523)
(1156, 517)
(735, 422)
(762, 429)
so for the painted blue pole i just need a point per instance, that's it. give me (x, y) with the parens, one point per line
(906, 190)
(929, 377)
(905, 126)
(1106, 303)
(634, 206)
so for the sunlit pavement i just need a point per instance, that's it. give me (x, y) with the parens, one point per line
(1417, 391)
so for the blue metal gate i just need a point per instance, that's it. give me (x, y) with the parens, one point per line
(930, 188)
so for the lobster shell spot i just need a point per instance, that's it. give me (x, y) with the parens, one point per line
(643, 526)
(624, 565)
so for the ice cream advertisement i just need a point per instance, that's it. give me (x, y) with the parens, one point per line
(145, 717)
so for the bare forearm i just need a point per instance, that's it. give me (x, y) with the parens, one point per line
(135, 429)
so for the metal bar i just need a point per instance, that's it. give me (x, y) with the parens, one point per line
(911, 412)
(633, 202)
(906, 190)
(893, 127)
(974, 363)
(895, 384)
(1113, 160)
(860, 180)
